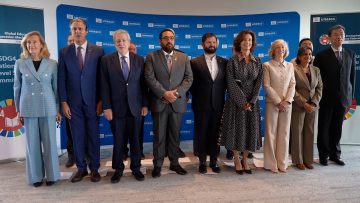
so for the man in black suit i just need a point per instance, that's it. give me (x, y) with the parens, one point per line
(208, 95)
(337, 68)
(124, 99)
(169, 76)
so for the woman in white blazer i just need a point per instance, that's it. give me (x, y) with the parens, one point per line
(305, 108)
(279, 86)
(35, 96)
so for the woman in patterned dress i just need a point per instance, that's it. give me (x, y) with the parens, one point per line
(240, 129)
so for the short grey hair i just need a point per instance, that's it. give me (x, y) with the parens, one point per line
(121, 31)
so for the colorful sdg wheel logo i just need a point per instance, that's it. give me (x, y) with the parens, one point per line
(10, 125)
(324, 39)
(350, 110)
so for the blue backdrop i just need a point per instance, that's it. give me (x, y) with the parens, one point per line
(144, 30)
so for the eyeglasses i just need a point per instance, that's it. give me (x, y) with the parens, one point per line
(168, 38)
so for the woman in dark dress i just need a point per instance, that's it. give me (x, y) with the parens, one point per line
(240, 129)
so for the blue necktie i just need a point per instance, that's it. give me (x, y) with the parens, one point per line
(125, 67)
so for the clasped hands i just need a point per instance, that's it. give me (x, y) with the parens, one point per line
(170, 96)
(283, 106)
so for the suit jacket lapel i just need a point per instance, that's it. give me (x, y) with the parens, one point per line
(303, 76)
(312, 72)
(204, 67)
(31, 68)
(87, 55)
(220, 70)
(43, 66)
(163, 60)
(72, 54)
(116, 64)
(132, 65)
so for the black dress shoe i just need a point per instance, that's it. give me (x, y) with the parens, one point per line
(229, 155)
(323, 162)
(95, 176)
(116, 176)
(70, 162)
(202, 168)
(338, 161)
(178, 169)
(248, 171)
(138, 175)
(215, 167)
(156, 172)
(79, 176)
(50, 183)
(37, 184)
(181, 153)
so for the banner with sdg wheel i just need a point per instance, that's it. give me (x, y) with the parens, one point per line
(320, 24)
(15, 22)
(144, 30)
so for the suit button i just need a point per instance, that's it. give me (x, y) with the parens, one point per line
(32, 93)
(127, 84)
(32, 83)
(41, 93)
(45, 75)
(26, 75)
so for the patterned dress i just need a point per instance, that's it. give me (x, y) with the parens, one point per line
(240, 129)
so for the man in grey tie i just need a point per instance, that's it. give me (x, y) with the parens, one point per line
(123, 92)
(337, 68)
(169, 76)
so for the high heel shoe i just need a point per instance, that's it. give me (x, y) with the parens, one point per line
(238, 165)
(248, 171)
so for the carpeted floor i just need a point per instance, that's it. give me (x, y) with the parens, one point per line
(322, 184)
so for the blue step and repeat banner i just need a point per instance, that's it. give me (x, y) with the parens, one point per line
(144, 30)
(320, 24)
(15, 22)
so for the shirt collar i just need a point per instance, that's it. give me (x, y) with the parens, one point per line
(83, 45)
(242, 58)
(126, 55)
(165, 53)
(279, 63)
(208, 58)
(335, 50)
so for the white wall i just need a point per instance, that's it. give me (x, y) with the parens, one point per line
(191, 7)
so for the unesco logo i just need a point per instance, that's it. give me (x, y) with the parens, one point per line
(99, 44)
(138, 35)
(69, 16)
(248, 24)
(273, 22)
(98, 20)
(126, 23)
(150, 24)
(199, 46)
(199, 26)
(175, 25)
(261, 34)
(111, 33)
(151, 46)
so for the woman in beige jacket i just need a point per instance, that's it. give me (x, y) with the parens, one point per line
(279, 85)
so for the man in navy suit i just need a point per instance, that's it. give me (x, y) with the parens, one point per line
(337, 69)
(123, 93)
(79, 64)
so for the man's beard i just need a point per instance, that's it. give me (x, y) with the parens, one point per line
(210, 51)
(168, 48)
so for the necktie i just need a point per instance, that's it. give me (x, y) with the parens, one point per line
(169, 62)
(338, 56)
(125, 67)
(79, 57)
